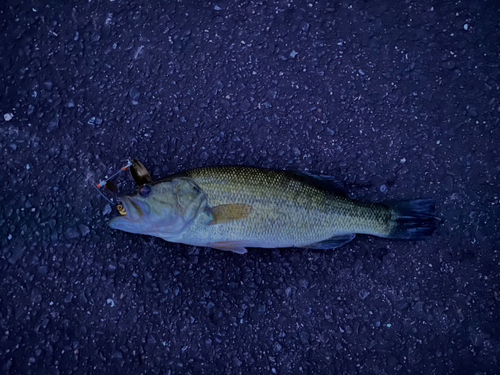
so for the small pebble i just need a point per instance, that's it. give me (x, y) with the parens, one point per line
(53, 124)
(68, 297)
(107, 210)
(304, 337)
(134, 93)
(363, 293)
(72, 233)
(8, 116)
(84, 230)
(95, 37)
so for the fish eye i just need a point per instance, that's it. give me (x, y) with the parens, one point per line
(145, 191)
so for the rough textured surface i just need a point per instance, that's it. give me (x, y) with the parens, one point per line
(400, 99)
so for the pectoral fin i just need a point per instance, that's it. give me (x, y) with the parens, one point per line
(228, 212)
(234, 246)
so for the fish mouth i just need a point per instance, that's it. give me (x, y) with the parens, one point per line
(133, 213)
(132, 209)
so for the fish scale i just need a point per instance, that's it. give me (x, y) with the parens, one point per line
(287, 210)
(234, 207)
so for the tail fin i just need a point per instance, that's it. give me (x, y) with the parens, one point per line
(413, 219)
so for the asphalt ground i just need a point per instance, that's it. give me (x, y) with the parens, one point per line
(398, 99)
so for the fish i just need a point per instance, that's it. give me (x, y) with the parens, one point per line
(233, 208)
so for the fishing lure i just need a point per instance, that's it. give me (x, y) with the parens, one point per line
(139, 173)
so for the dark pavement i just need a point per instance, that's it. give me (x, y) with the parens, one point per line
(399, 99)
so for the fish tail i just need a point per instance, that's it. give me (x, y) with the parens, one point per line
(413, 219)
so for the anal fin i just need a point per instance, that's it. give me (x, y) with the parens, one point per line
(332, 243)
(233, 246)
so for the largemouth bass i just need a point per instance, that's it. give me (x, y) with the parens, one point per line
(232, 208)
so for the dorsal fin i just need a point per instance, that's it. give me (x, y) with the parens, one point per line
(323, 182)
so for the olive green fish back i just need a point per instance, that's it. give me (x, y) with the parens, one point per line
(288, 210)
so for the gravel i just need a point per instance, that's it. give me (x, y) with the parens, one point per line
(398, 101)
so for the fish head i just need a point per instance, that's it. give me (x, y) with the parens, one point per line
(163, 209)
